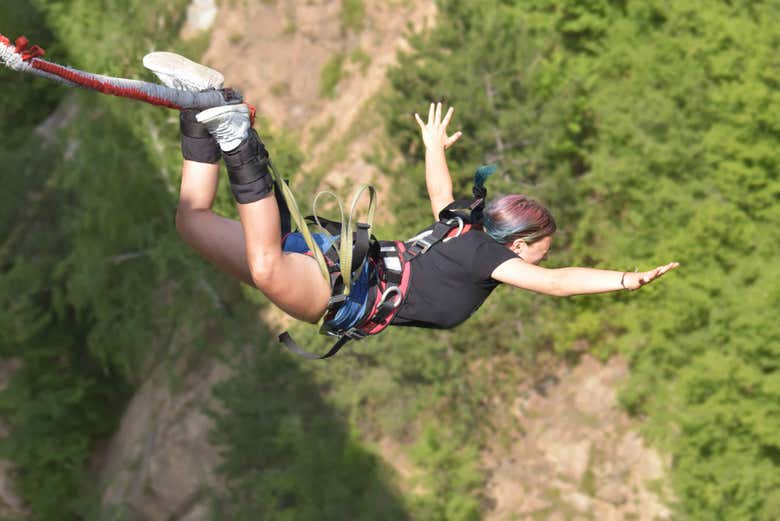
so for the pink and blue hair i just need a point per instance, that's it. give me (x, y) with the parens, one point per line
(516, 216)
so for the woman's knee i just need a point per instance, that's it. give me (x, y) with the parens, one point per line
(187, 220)
(183, 219)
(264, 270)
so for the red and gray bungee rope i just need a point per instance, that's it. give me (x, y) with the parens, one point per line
(22, 57)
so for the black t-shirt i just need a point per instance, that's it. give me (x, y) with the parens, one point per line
(451, 280)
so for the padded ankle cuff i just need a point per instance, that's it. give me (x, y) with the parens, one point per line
(254, 191)
(196, 142)
(248, 161)
(247, 166)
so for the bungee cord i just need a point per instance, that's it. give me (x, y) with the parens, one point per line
(22, 57)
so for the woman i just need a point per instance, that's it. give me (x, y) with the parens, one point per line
(446, 285)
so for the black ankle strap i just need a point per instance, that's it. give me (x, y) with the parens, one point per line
(247, 166)
(250, 148)
(196, 142)
(189, 125)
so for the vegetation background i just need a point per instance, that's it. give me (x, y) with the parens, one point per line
(649, 128)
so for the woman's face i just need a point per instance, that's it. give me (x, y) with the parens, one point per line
(533, 253)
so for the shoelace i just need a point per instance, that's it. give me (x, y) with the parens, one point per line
(227, 130)
(182, 85)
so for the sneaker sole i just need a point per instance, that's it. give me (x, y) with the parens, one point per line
(172, 64)
(215, 112)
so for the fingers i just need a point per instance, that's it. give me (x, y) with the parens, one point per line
(435, 116)
(668, 267)
(438, 125)
(648, 276)
(447, 117)
(453, 138)
(651, 275)
(419, 121)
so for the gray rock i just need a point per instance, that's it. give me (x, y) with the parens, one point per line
(613, 492)
(579, 501)
(160, 462)
(569, 457)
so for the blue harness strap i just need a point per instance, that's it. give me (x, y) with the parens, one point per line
(295, 243)
(354, 307)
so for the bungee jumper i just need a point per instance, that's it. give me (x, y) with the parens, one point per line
(436, 279)
(334, 273)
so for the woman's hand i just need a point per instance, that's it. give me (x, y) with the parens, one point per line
(434, 133)
(633, 281)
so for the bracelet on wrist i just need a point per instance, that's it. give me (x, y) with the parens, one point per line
(623, 280)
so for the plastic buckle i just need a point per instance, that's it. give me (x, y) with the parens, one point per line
(392, 264)
(336, 300)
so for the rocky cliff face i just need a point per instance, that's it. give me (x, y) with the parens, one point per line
(159, 464)
(278, 55)
(576, 454)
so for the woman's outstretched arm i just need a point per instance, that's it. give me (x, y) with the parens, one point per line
(565, 282)
(437, 175)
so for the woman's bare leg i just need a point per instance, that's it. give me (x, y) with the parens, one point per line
(252, 253)
(217, 239)
(292, 281)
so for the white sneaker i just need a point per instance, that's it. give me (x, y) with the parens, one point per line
(229, 124)
(180, 73)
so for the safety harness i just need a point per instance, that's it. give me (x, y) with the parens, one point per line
(389, 265)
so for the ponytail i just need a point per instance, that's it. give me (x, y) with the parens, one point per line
(480, 176)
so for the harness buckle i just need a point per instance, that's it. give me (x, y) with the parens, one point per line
(354, 333)
(336, 300)
(426, 245)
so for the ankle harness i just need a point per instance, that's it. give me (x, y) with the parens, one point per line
(196, 142)
(248, 170)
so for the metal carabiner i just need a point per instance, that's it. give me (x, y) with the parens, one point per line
(387, 292)
(460, 227)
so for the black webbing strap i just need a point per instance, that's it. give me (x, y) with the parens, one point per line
(423, 244)
(290, 344)
(360, 246)
(384, 310)
(361, 243)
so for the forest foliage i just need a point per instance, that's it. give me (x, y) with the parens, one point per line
(649, 128)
